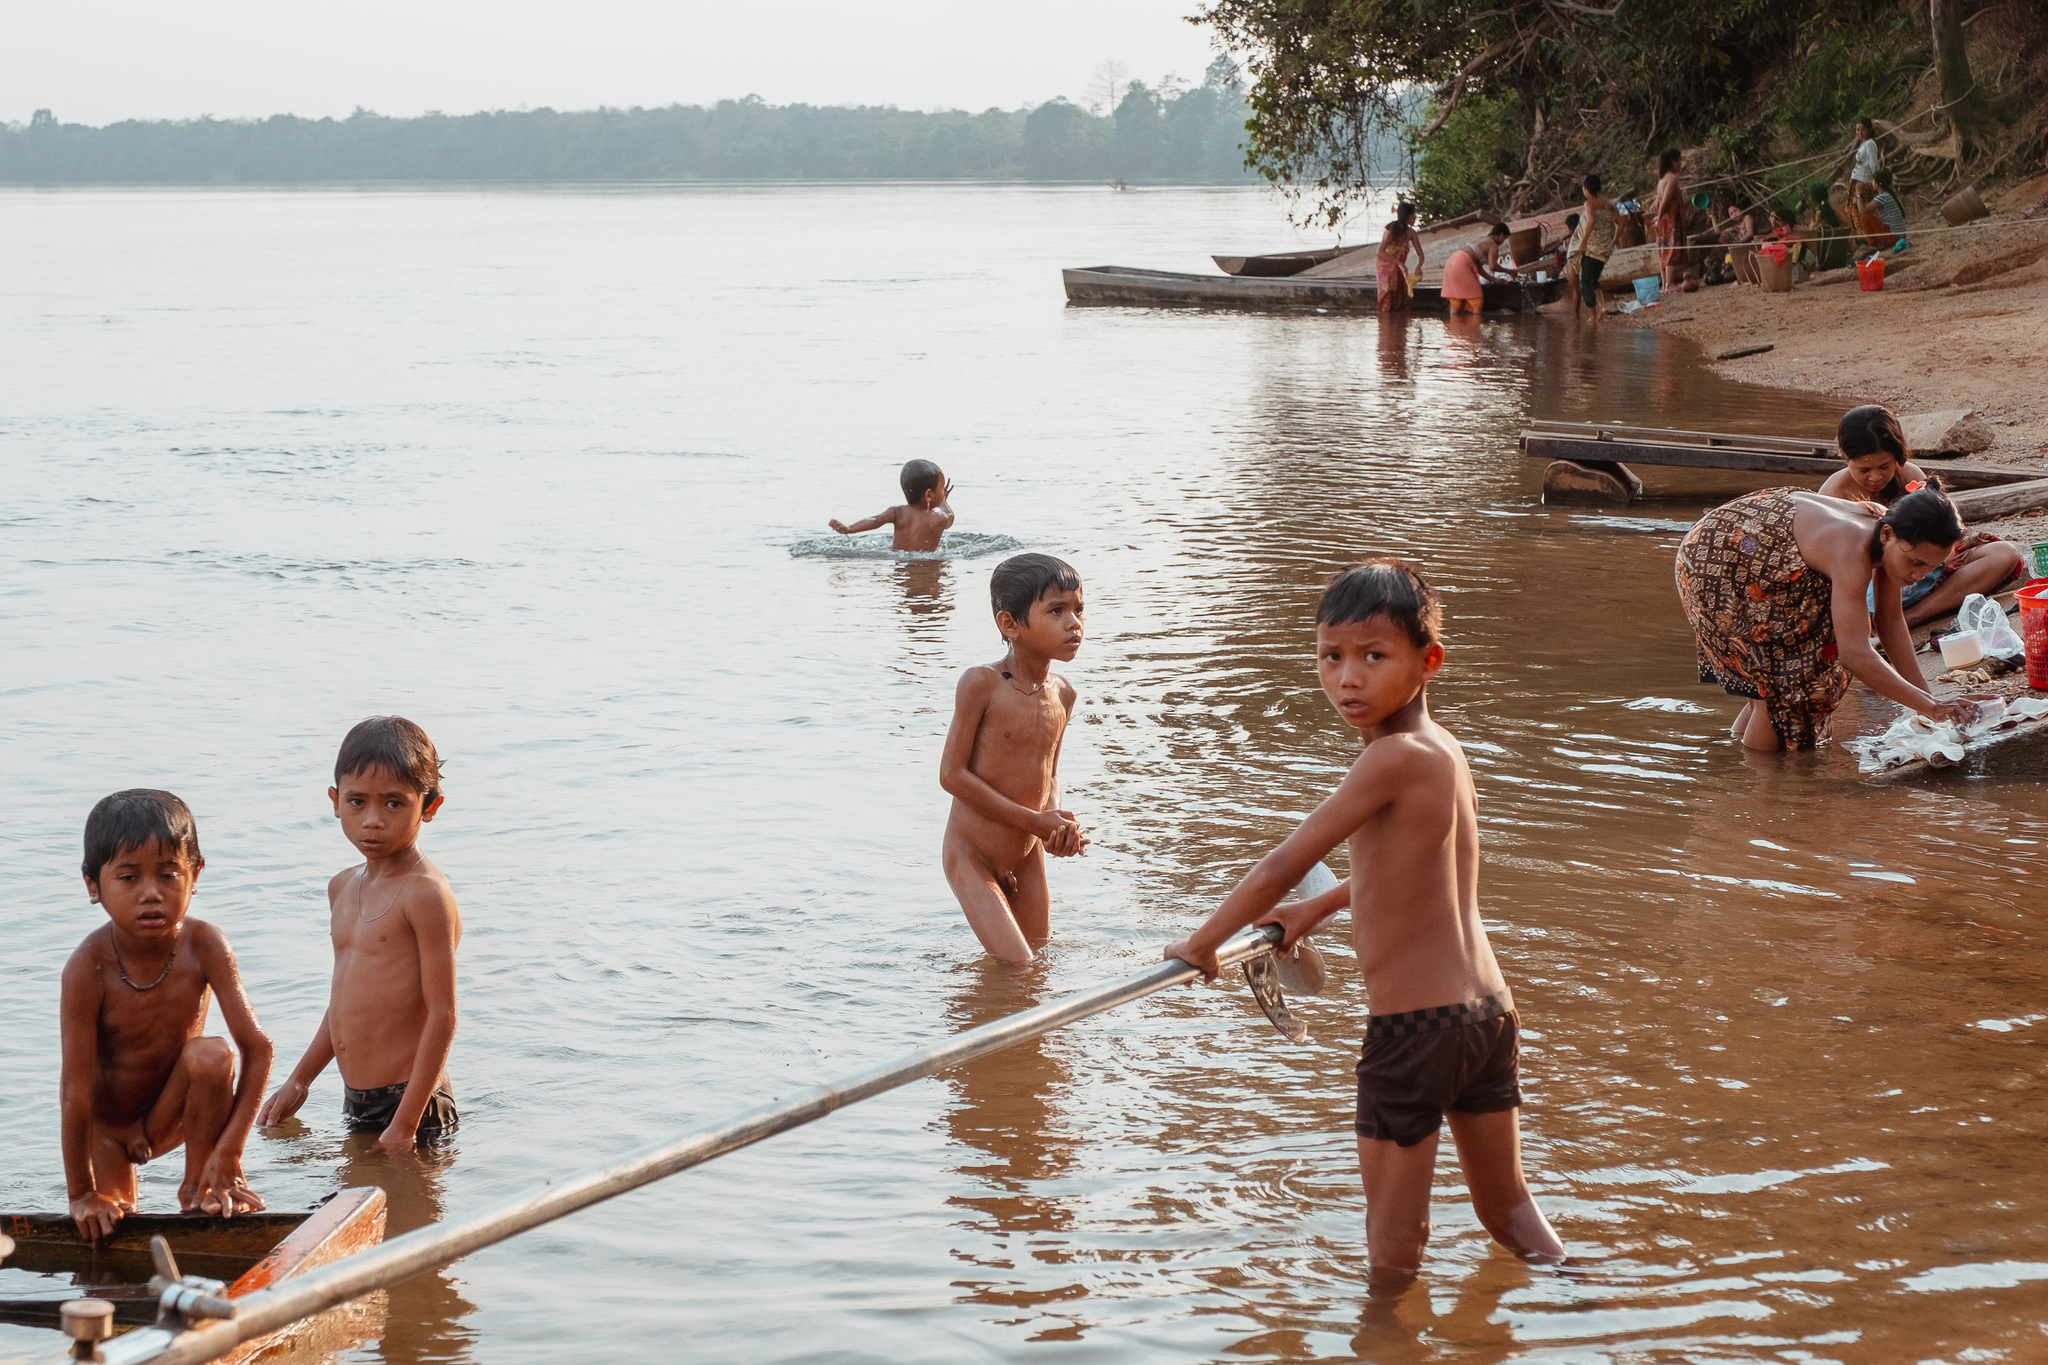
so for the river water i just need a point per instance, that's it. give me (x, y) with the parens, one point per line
(549, 473)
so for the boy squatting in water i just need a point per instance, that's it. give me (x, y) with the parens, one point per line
(1002, 757)
(1442, 1037)
(394, 923)
(137, 1078)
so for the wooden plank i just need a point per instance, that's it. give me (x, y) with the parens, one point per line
(1548, 445)
(1989, 504)
(1672, 436)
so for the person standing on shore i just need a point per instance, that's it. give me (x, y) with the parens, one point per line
(1667, 211)
(1863, 172)
(1596, 244)
(1392, 265)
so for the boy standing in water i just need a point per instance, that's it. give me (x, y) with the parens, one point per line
(1002, 759)
(921, 518)
(391, 1009)
(137, 1077)
(1442, 1035)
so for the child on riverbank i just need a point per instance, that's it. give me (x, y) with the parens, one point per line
(921, 519)
(137, 1077)
(391, 1008)
(1002, 758)
(1442, 1035)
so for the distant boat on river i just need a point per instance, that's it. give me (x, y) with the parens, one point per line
(1280, 263)
(1129, 287)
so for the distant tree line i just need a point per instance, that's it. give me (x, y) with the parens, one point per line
(1168, 133)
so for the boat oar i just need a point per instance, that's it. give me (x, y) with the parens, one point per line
(267, 1310)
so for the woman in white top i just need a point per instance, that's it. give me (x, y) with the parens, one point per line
(1863, 174)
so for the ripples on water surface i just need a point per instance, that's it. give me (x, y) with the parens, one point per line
(550, 472)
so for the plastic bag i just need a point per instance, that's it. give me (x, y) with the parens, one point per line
(1994, 632)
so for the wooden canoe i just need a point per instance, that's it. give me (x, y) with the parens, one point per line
(251, 1252)
(1129, 287)
(1279, 264)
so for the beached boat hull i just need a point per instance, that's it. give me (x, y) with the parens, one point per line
(1129, 287)
(254, 1251)
(1279, 264)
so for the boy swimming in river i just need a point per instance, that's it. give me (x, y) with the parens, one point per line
(137, 1076)
(391, 1008)
(1442, 1035)
(921, 519)
(1002, 759)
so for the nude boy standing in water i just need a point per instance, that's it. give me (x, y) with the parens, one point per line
(1002, 757)
(391, 1011)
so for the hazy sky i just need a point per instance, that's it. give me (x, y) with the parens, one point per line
(94, 61)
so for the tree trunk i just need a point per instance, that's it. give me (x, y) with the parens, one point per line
(1958, 92)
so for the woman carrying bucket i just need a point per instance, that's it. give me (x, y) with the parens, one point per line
(1878, 469)
(1773, 586)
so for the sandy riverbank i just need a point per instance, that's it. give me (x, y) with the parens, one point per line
(1963, 323)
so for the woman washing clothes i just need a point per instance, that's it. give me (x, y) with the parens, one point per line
(1468, 269)
(1773, 586)
(1878, 469)
(1391, 265)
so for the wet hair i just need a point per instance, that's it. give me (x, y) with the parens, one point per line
(1019, 581)
(396, 744)
(1923, 518)
(136, 817)
(1383, 586)
(1592, 182)
(1671, 157)
(918, 478)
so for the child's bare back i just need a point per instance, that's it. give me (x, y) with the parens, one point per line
(1001, 761)
(920, 521)
(138, 1077)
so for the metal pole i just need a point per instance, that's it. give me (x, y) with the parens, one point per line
(401, 1258)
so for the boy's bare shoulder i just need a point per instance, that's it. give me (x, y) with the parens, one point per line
(978, 681)
(431, 891)
(209, 944)
(88, 957)
(1067, 694)
(340, 880)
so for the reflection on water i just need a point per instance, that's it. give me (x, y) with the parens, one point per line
(425, 1316)
(281, 461)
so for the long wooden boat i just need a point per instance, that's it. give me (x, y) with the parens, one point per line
(1598, 443)
(1279, 264)
(252, 1251)
(1130, 287)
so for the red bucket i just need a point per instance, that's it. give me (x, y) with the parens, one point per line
(2033, 600)
(1870, 274)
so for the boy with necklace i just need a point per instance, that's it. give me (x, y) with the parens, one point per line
(1442, 1037)
(137, 1076)
(1002, 758)
(391, 1009)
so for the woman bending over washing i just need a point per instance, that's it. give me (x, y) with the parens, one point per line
(1878, 469)
(1774, 585)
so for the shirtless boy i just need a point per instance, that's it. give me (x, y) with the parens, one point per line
(138, 1078)
(1442, 1035)
(1002, 759)
(391, 1009)
(921, 518)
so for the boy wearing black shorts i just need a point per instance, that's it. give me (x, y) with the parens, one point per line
(1441, 1040)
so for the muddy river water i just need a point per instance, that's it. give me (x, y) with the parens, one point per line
(549, 472)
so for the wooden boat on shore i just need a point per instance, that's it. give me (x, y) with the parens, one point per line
(252, 1251)
(1279, 264)
(1129, 287)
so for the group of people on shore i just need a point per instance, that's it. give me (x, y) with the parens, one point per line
(1692, 243)
(138, 1079)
